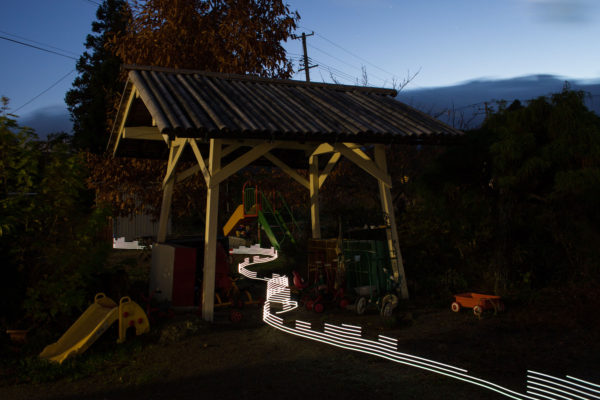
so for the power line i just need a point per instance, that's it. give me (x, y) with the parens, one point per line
(38, 48)
(352, 54)
(44, 91)
(335, 75)
(296, 57)
(93, 2)
(325, 67)
(344, 62)
(338, 72)
(334, 57)
(40, 43)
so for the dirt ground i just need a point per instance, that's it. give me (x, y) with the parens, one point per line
(185, 358)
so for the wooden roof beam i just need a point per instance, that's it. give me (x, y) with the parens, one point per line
(143, 133)
(328, 168)
(175, 151)
(125, 114)
(241, 162)
(367, 165)
(201, 166)
(290, 171)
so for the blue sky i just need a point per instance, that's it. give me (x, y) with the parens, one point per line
(448, 41)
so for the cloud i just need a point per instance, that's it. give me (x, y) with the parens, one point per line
(46, 120)
(562, 11)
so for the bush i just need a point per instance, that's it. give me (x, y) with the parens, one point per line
(50, 248)
(514, 207)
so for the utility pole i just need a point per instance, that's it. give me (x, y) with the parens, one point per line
(306, 66)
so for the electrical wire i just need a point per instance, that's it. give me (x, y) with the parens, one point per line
(44, 91)
(351, 53)
(40, 43)
(38, 48)
(334, 57)
(336, 73)
(348, 64)
(335, 76)
(312, 60)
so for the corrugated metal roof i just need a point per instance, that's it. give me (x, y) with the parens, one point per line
(209, 105)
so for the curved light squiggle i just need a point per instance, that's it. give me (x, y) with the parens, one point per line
(539, 386)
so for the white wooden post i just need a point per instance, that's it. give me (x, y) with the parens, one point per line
(210, 233)
(392, 232)
(165, 210)
(168, 183)
(314, 196)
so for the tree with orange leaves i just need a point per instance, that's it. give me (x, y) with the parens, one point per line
(230, 36)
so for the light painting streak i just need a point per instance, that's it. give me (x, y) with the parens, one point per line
(537, 380)
(586, 382)
(350, 337)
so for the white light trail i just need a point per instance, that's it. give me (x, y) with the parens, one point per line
(586, 382)
(350, 337)
(552, 382)
(538, 395)
(536, 386)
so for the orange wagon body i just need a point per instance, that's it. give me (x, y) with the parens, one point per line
(477, 301)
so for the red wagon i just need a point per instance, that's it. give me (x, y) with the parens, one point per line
(478, 302)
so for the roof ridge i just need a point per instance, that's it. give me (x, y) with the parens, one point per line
(260, 79)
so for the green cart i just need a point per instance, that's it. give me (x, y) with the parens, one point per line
(369, 276)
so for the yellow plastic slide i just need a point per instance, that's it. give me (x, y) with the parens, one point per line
(93, 323)
(234, 220)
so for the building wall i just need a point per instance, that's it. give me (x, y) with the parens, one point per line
(136, 227)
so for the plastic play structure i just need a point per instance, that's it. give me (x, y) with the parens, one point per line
(274, 217)
(94, 322)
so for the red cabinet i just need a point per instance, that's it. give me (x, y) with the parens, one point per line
(173, 274)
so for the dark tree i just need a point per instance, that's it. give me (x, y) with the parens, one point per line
(514, 208)
(91, 100)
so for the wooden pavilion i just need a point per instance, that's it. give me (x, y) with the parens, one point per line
(226, 122)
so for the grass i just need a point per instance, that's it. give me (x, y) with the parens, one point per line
(29, 368)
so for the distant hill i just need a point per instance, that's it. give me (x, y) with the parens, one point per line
(464, 104)
(46, 120)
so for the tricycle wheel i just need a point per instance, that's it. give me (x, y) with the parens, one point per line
(388, 304)
(455, 307)
(361, 305)
(477, 310)
(309, 305)
(386, 309)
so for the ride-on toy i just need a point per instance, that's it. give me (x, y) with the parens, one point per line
(478, 302)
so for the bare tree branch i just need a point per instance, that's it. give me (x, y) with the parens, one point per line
(333, 78)
(399, 85)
